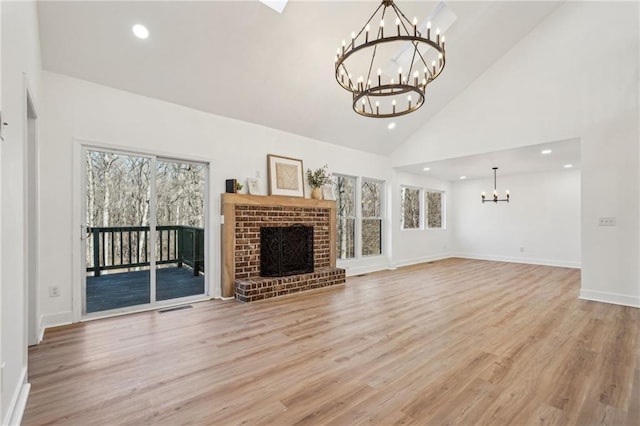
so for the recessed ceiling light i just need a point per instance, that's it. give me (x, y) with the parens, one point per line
(426, 169)
(391, 126)
(568, 166)
(546, 151)
(140, 31)
(463, 177)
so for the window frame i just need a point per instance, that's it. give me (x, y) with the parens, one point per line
(443, 224)
(381, 218)
(335, 177)
(420, 208)
(358, 246)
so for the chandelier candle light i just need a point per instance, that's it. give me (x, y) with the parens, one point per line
(495, 191)
(417, 57)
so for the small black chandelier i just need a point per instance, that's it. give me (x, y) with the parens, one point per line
(495, 198)
(366, 66)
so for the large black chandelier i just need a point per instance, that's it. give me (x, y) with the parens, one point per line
(387, 70)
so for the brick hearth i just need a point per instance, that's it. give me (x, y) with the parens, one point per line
(252, 289)
(243, 217)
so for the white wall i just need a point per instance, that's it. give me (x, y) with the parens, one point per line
(20, 63)
(412, 246)
(542, 218)
(554, 86)
(2, 364)
(76, 109)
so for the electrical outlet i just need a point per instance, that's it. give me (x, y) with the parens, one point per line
(54, 291)
(607, 221)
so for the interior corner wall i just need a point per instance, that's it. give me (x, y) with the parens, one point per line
(20, 63)
(553, 86)
(540, 224)
(411, 246)
(76, 110)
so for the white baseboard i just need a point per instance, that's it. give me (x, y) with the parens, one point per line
(41, 330)
(614, 298)
(18, 402)
(54, 320)
(528, 261)
(422, 259)
(359, 270)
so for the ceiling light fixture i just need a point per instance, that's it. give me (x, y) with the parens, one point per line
(426, 169)
(463, 177)
(140, 31)
(378, 91)
(568, 166)
(391, 126)
(546, 151)
(495, 198)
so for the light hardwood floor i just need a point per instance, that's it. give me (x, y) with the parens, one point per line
(452, 342)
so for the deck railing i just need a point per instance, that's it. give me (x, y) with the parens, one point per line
(124, 247)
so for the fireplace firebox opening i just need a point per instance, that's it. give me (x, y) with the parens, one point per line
(286, 250)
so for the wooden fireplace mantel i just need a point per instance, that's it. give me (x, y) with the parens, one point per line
(229, 204)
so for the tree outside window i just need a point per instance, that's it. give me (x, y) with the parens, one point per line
(410, 208)
(371, 217)
(344, 188)
(433, 203)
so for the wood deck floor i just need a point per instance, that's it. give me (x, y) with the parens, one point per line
(119, 290)
(453, 342)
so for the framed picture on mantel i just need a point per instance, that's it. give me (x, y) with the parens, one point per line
(253, 185)
(285, 176)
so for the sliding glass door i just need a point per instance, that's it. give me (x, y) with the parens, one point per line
(180, 261)
(145, 231)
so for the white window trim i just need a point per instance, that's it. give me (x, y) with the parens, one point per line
(381, 218)
(355, 218)
(358, 218)
(443, 213)
(421, 208)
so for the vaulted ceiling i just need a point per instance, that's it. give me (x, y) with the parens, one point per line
(242, 60)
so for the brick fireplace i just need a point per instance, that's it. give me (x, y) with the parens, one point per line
(244, 215)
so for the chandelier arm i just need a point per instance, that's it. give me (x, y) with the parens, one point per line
(415, 45)
(375, 47)
(373, 57)
(346, 72)
(399, 14)
(369, 21)
(413, 59)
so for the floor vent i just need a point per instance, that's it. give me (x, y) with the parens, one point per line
(176, 308)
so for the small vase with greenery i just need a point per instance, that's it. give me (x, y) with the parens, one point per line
(316, 179)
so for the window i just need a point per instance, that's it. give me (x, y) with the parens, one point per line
(410, 208)
(345, 194)
(433, 202)
(371, 202)
(360, 214)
